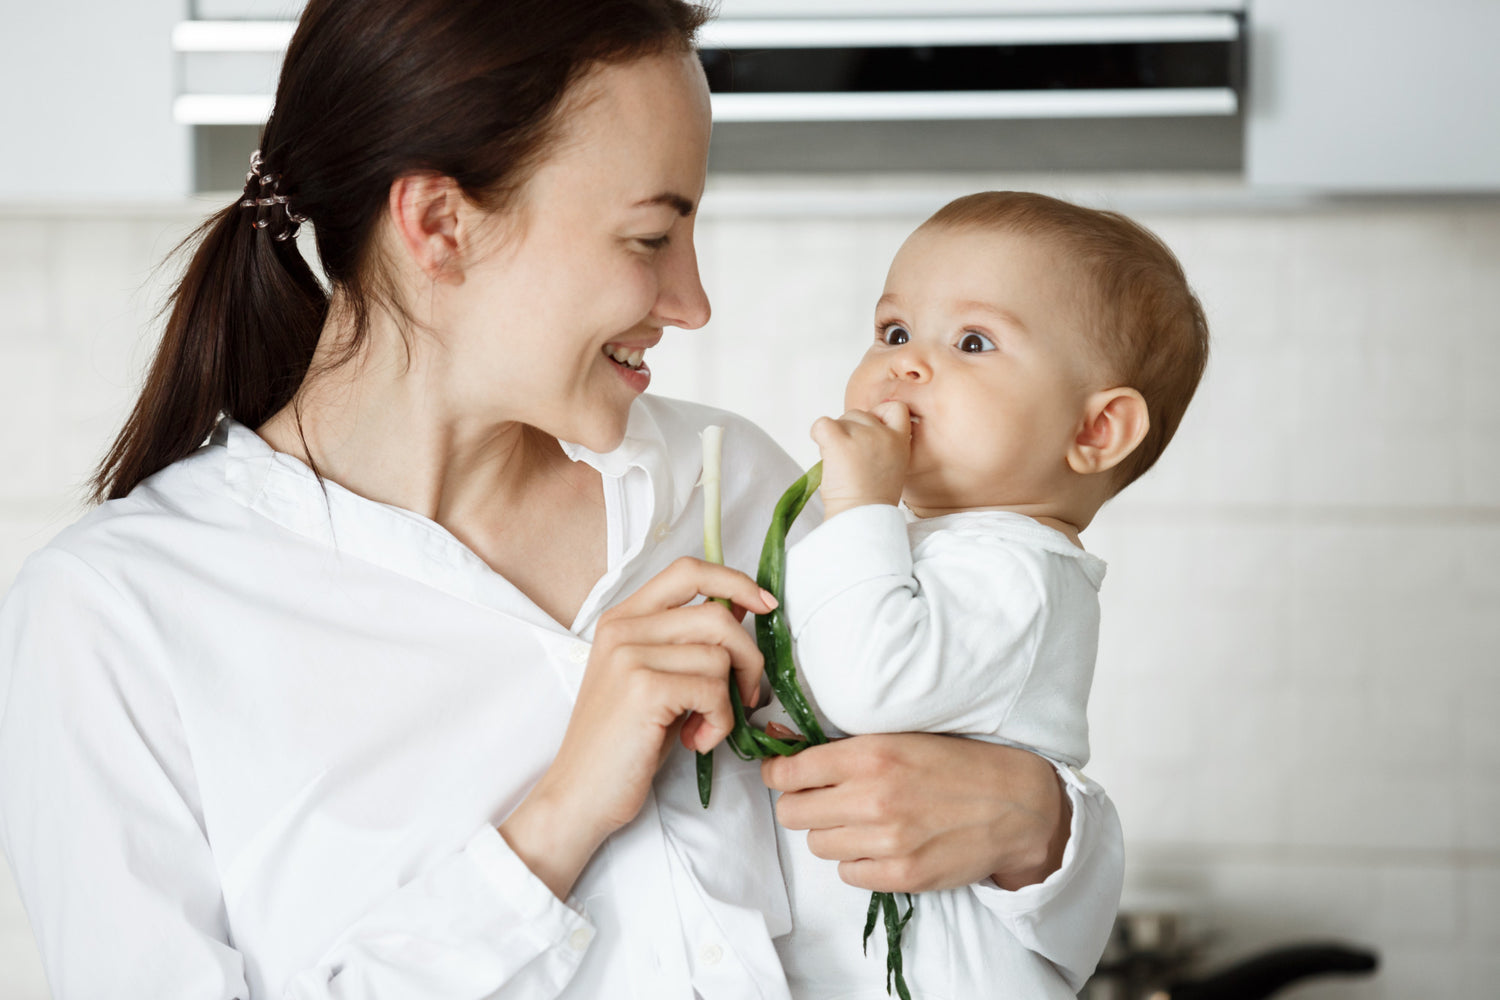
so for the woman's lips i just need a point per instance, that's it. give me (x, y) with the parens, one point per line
(628, 361)
(625, 354)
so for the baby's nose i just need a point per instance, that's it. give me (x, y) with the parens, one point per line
(910, 366)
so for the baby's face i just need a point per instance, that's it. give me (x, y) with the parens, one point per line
(979, 334)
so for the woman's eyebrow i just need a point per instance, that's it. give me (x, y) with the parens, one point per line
(684, 206)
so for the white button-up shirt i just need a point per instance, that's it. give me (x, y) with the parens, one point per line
(255, 738)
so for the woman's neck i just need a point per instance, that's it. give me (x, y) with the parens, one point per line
(390, 433)
(390, 427)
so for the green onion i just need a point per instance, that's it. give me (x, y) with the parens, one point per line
(774, 637)
(713, 551)
(772, 633)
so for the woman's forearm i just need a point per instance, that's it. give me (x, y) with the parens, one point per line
(548, 840)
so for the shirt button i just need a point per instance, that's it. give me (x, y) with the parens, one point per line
(662, 531)
(711, 954)
(579, 652)
(580, 938)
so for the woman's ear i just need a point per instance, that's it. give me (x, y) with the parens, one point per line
(1115, 422)
(424, 211)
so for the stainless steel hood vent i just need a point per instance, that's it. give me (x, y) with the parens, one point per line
(974, 68)
(1091, 91)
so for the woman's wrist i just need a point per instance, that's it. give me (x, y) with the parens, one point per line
(551, 839)
(1047, 857)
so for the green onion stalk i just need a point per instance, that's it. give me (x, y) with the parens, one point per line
(774, 637)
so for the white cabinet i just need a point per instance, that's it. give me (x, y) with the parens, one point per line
(86, 111)
(1374, 95)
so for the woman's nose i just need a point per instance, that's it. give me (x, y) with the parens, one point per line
(682, 301)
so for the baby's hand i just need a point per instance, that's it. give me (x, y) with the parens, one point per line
(864, 456)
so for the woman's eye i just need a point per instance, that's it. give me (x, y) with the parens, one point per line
(975, 343)
(654, 242)
(894, 335)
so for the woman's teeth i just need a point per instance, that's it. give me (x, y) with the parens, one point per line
(624, 355)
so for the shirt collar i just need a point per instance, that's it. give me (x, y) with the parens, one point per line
(670, 454)
(285, 490)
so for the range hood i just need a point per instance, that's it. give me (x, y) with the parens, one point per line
(856, 68)
(992, 85)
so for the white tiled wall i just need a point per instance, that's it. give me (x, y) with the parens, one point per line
(1297, 696)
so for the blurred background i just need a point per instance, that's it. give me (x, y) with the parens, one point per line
(1297, 691)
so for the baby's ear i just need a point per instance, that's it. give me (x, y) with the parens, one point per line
(1115, 422)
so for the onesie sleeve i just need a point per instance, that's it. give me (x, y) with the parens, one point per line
(100, 819)
(1067, 917)
(886, 644)
(947, 644)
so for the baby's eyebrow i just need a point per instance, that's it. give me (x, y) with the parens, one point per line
(965, 306)
(1004, 315)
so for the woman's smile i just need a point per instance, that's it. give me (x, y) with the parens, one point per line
(629, 360)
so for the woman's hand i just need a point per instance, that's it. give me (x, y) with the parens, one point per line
(910, 812)
(656, 657)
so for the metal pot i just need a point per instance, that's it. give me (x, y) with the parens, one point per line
(1149, 958)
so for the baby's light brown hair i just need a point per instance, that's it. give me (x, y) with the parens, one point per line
(1145, 321)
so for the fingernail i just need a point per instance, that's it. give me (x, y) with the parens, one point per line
(769, 598)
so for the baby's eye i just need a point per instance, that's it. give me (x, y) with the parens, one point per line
(893, 335)
(975, 343)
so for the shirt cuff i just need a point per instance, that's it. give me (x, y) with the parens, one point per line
(554, 922)
(860, 544)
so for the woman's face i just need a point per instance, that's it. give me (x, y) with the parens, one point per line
(550, 321)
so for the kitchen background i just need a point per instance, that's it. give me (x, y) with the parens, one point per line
(1296, 699)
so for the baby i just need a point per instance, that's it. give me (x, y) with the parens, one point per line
(1031, 359)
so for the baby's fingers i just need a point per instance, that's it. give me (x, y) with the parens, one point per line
(895, 415)
(826, 431)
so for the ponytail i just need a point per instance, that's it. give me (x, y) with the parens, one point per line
(240, 336)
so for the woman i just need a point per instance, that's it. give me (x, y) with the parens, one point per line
(376, 694)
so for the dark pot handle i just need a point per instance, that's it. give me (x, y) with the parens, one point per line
(1266, 973)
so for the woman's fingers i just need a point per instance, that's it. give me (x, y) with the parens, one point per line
(824, 808)
(658, 641)
(685, 580)
(669, 696)
(905, 873)
(815, 767)
(692, 727)
(859, 843)
(906, 812)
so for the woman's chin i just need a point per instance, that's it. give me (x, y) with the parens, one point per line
(600, 437)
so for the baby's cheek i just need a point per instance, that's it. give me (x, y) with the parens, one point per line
(857, 391)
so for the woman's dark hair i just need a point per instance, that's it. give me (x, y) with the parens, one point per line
(370, 90)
